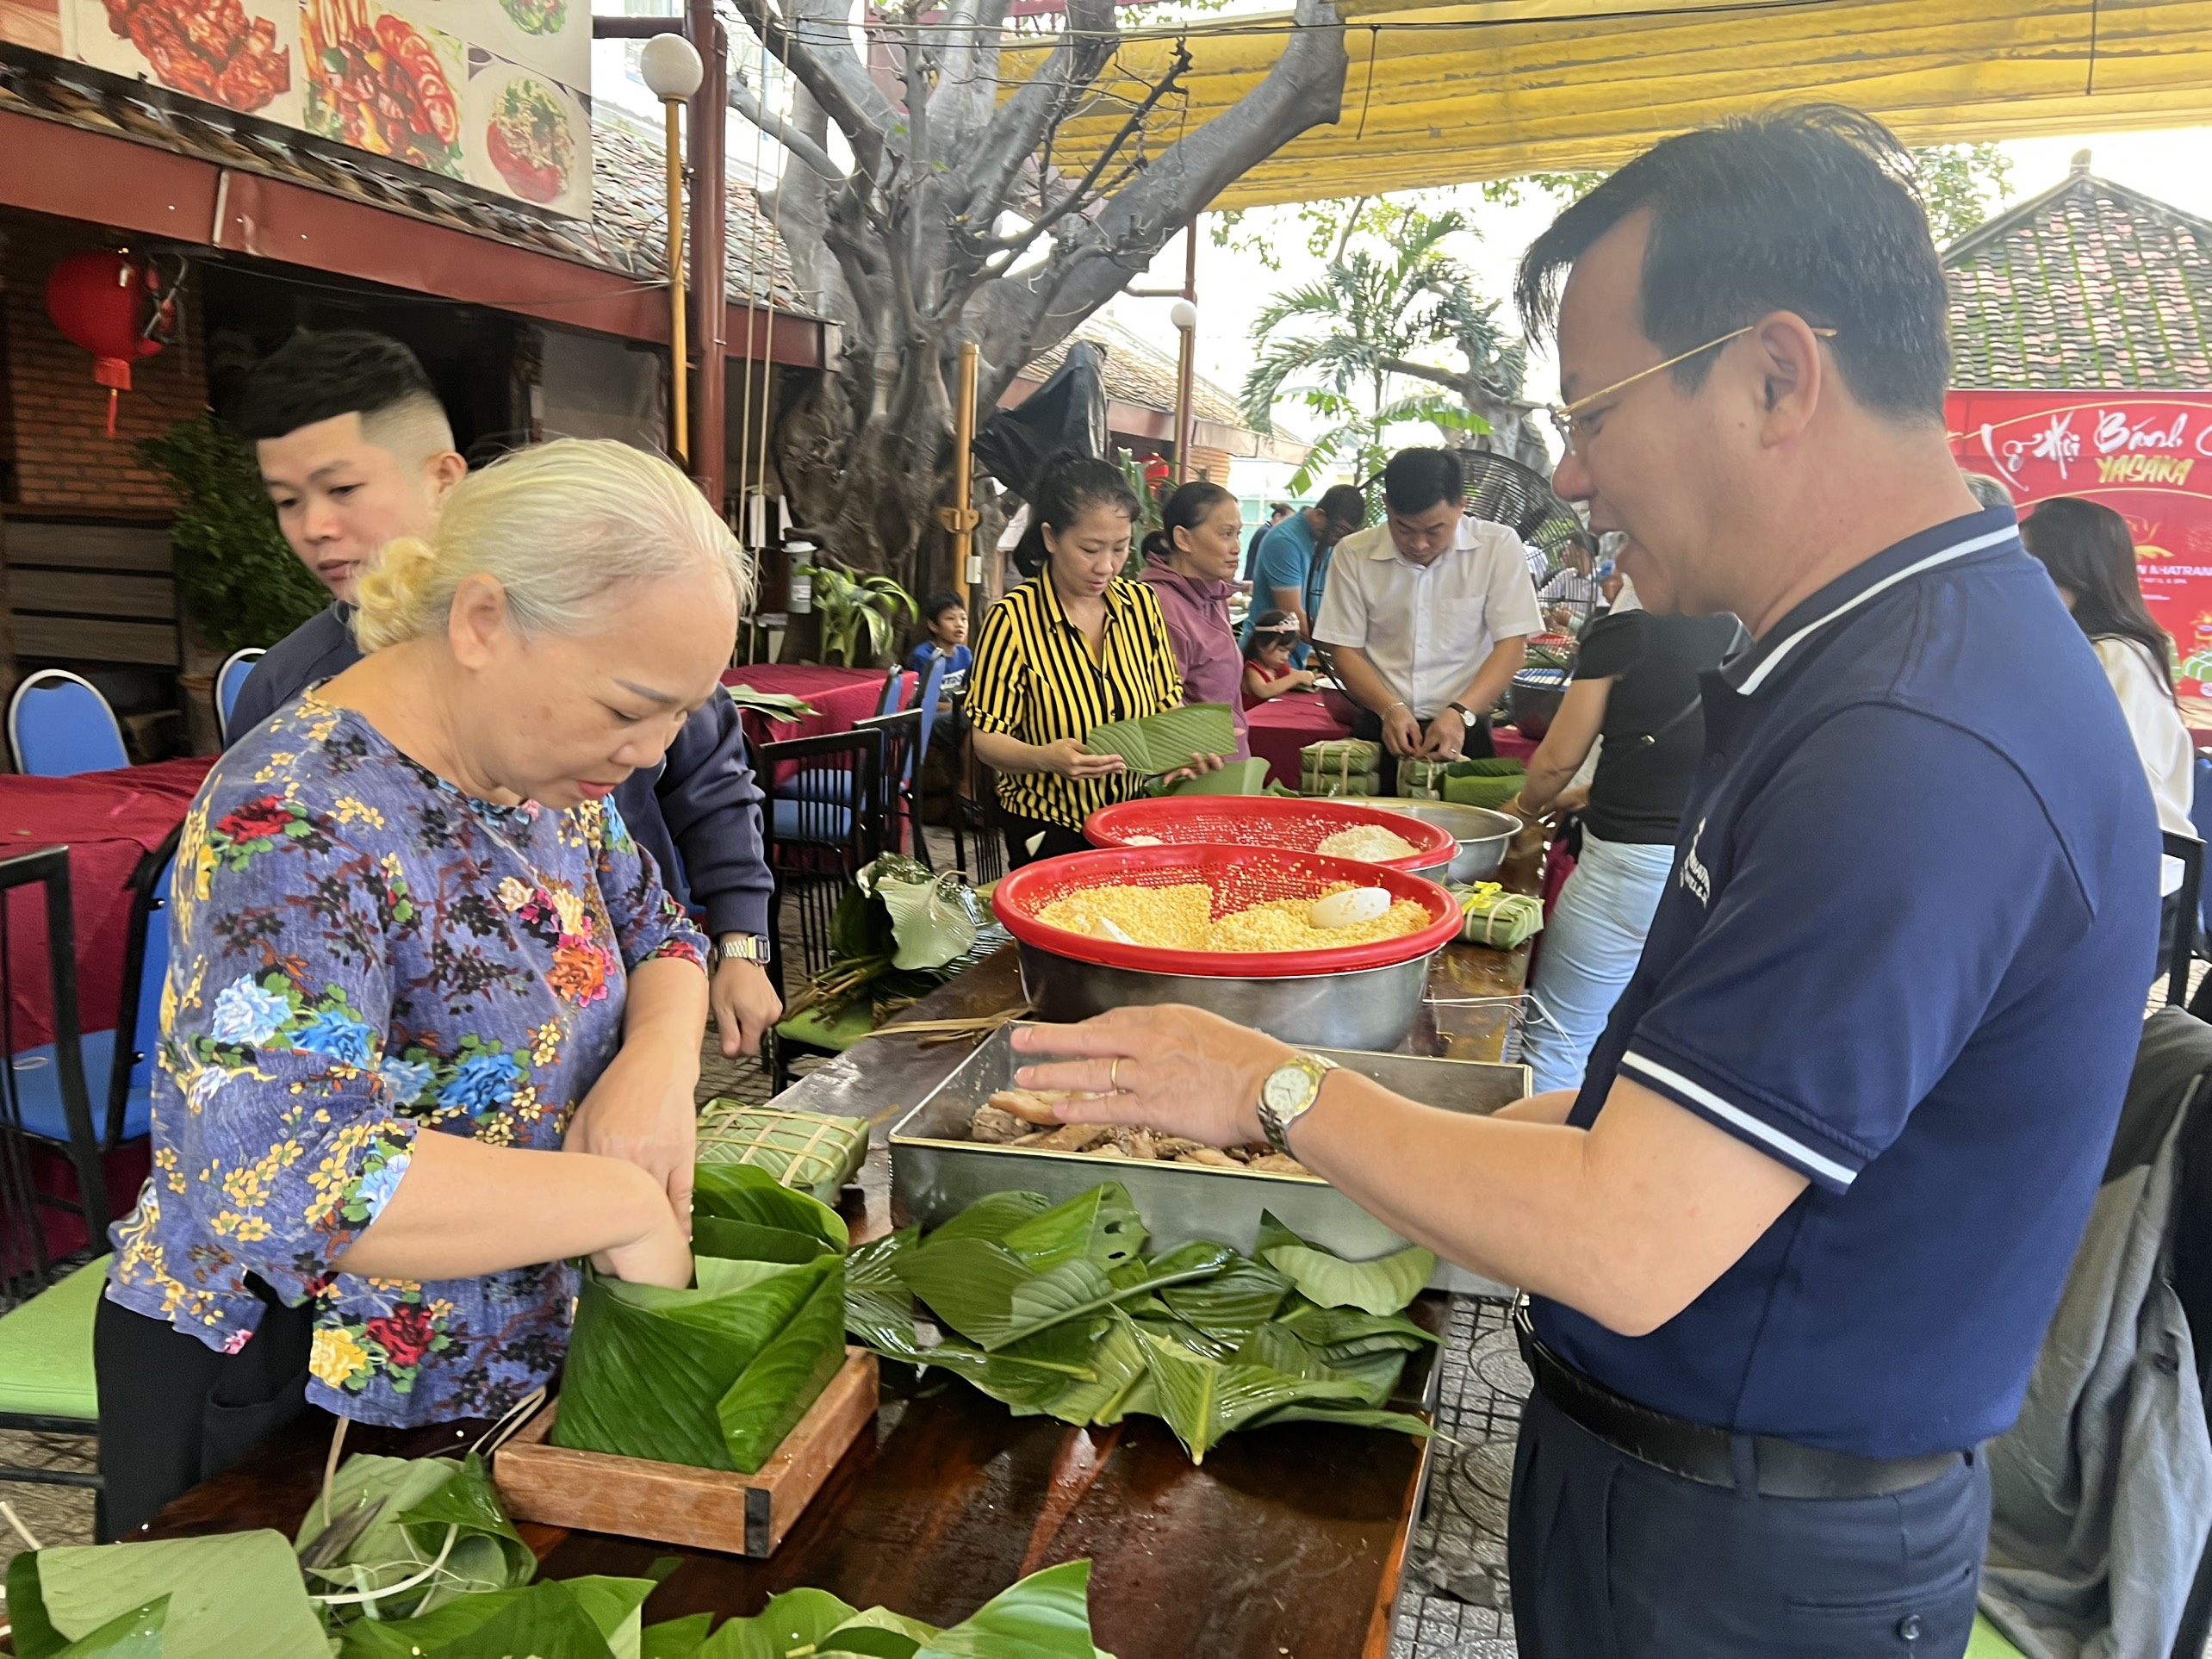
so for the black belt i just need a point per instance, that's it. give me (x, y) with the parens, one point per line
(1699, 1452)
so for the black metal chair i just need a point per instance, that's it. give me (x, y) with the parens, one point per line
(978, 847)
(814, 848)
(46, 1338)
(898, 807)
(2181, 951)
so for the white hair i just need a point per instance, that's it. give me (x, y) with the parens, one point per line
(559, 526)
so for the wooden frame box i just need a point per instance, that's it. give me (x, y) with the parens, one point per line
(676, 1503)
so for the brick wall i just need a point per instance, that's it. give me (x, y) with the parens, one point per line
(54, 421)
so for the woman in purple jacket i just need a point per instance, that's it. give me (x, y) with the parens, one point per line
(1191, 565)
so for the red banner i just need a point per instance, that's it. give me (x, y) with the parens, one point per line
(2148, 457)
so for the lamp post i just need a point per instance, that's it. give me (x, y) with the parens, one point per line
(1185, 316)
(673, 71)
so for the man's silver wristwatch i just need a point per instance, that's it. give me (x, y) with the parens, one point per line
(741, 947)
(1288, 1094)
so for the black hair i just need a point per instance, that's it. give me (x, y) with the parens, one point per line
(1278, 509)
(941, 603)
(2086, 548)
(1186, 509)
(1068, 487)
(1416, 480)
(1268, 627)
(1811, 210)
(314, 377)
(1344, 503)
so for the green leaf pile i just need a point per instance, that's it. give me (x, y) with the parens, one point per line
(1045, 1616)
(715, 1376)
(1057, 1310)
(1168, 741)
(388, 1520)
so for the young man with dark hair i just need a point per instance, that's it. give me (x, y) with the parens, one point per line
(357, 452)
(1276, 512)
(1293, 565)
(1793, 1244)
(1427, 616)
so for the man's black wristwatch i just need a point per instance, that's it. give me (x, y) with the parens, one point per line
(1468, 718)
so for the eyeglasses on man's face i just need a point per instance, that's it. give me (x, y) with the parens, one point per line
(1570, 420)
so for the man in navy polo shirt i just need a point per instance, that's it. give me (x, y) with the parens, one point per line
(1793, 1245)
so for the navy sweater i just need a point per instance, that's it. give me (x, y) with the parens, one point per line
(698, 814)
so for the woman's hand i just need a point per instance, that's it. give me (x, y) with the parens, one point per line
(644, 1110)
(660, 1254)
(1199, 766)
(1183, 1070)
(1067, 757)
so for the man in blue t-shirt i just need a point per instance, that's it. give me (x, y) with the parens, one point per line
(1793, 1244)
(1293, 565)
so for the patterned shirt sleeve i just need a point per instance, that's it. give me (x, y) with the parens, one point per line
(648, 923)
(289, 1145)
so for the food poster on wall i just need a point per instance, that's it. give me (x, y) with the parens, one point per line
(495, 92)
(242, 54)
(33, 23)
(2148, 457)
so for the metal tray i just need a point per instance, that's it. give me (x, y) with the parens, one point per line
(936, 1172)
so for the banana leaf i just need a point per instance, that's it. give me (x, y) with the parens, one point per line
(1346, 1333)
(1202, 1399)
(878, 1308)
(1245, 1296)
(133, 1635)
(988, 1294)
(813, 1153)
(780, 706)
(714, 1377)
(562, 1619)
(1237, 778)
(235, 1595)
(389, 1519)
(1044, 1615)
(1168, 741)
(743, 1192)
(1384, 1285)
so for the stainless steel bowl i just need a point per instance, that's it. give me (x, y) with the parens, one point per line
(1370, 1008)
(1483, 835)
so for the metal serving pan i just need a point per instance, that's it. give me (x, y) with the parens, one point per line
(936, 1172)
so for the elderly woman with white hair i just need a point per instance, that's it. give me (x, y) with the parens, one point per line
(432, 1026)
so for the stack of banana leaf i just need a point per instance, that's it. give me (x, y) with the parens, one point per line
(241, 1596)
(716, 1375)
(899, 932)
(1056, 1310)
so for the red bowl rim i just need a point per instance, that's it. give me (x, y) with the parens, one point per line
(1109, 826)
(1101, 865)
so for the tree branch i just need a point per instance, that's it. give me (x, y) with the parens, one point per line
(743, 101)
(813, 45)
(1088, 41)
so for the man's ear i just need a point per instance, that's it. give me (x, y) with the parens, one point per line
(442, 471)
(1792, 376)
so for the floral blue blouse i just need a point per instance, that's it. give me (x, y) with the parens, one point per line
(360, 953)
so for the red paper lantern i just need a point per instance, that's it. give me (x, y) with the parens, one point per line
(109, 304)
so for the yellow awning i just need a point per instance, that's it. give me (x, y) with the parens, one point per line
(1451, 93)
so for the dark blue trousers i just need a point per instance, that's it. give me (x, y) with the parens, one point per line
(1613, 1558)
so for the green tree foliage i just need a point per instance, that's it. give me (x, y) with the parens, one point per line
(1962, 185)
(238, 575)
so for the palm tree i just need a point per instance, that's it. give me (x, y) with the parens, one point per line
(1351, 335)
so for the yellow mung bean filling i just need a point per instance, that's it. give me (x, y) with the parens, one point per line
(1181, 918)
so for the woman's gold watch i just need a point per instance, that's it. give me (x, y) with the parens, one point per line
(1288, 1094)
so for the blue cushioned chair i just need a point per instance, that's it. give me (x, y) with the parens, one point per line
(835, 784)
(46, 1384)
(126, 1072)
(60, 725)
(813, 849)
(230, 681)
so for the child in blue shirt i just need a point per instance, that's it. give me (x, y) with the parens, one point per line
(946, 619)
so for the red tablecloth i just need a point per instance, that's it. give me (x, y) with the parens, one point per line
(839, 697)
(107, 820)
(1285, 725)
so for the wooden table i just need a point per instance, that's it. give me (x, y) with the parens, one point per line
(1287, 1544)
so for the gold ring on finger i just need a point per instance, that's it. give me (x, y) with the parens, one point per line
(1114, 1077)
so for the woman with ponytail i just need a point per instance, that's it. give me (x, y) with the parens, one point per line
(1073, 648)
(1191, 565)
(432, 1026)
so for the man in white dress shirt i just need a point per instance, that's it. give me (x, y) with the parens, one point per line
(1427, 616)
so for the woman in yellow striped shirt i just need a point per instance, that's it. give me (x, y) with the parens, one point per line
(1074, 646)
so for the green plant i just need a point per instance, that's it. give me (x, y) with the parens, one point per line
(1148, 510)
(852, 604)
(238, 575)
